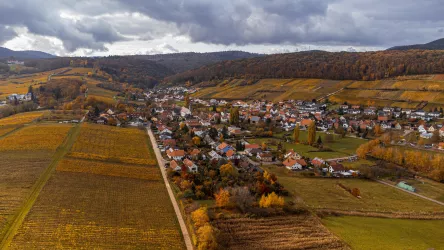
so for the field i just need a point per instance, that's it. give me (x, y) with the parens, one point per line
(33, 138)
(272, 89)
(107, 193)
(7, 129)
(22, 164)
(21, 118)
(87, 211)
(325, 194)
(286, 232)
(20, 84)
(405, 92)
(426, 187)
(113, 144)
(387, 234)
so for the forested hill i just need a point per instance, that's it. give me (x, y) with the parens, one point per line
(321, 64)
(435, 45)
(180, 62)
(28, 54)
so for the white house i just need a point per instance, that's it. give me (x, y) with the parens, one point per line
(184, 112)
(175, 154)
(190, 165)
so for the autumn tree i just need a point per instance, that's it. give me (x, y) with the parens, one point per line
(311, 133)
(271, 200)
(378, 130)
(200, 217)
(234, 116)
(222, 198)
(187, 100)
(206, 235)
(296, 132)
(228, 170)
(196, 140)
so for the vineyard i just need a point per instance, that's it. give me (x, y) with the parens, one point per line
(7, 129)
(86, 211)
(109, 169)
(113, 144)
(286, 232)
(34, 138)
(22, 118)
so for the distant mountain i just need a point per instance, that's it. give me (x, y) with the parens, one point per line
(27, 54)
(180, 62)
(435, 45)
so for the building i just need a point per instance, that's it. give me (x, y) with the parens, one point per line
(175, 154)
(190, 165)
(293, 164)
(175, 166)
(406, 186)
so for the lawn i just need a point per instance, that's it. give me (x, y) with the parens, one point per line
(386, 234)
(324, 193)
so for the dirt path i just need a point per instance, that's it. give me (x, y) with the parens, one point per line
(160, 160)
(38, 186)
(421, 196)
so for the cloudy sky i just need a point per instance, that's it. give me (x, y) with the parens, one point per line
(119, 27)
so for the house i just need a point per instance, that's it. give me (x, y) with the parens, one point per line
(291, 154)
(266, 157)
(184, 112)
(214, 155)
(175, 166)
(190, 165)
(336, 168)
(441, 146)
(195, 153)
(294, 164)
(317, 162)
(441, 132)
(255, 119)
(175, 154)
(169, 143)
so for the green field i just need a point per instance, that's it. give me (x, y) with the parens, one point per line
(324, 193)
(386, 234)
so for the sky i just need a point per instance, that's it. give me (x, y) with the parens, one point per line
(123, 27)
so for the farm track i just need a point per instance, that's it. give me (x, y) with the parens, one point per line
(11, 132)
(161, 164)
(38, 186)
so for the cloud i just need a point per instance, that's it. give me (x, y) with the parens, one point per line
(94, 26)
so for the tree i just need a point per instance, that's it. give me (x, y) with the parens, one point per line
(221, 138)
(200, 217)
(222, 198)
(196, 140)
(213, 133)
(234, 116)
(311, 133)
(228, 170)
(296, 132)
(435, 137)
(264, 146)
(242, 198)
(187, 100)
(206, 237)
(272, 200)
(378, 130)
(319, 140)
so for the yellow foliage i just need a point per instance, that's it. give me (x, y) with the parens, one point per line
(222, 198)
(200, 217)
(228, 170)
(206, 236)
(272, 200)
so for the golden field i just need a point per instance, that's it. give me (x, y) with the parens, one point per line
(109, 169)
(114, 144)
(88, 211)
(7, 129)
(35, 137)
(21, 118)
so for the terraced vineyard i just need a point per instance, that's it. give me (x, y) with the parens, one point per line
(21, 118)
(286, 232)
(107, 193)
(273, 89)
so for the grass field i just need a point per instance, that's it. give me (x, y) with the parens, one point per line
(426, 187)
(324, 193)
(88, 211)
(286, 232)
(21, 118)
(386, 234)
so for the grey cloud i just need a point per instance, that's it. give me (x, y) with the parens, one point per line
(6, 34)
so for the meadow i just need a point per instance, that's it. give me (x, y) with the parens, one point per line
(325, 194)
(280, 232)
(386, 234)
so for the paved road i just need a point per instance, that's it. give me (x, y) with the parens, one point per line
(412, 193)
(160, 159)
